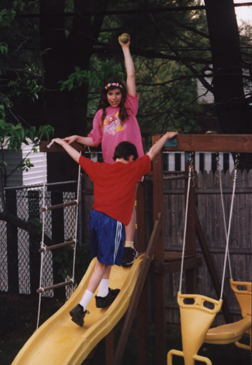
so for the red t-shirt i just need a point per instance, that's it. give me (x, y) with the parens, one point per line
(115, 185)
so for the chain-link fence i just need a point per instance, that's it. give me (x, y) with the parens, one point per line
(19, 246)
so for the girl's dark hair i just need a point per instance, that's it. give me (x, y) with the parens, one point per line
(103, 104)
(124, 150)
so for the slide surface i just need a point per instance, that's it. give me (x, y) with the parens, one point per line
(59, 341)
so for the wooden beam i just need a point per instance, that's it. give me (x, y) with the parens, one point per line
(57, 206)
(59, 245)
(240, 143)
(175, 265)
(55, 286)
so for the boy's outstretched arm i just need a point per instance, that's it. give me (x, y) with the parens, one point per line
(160, 143)
(70, 150)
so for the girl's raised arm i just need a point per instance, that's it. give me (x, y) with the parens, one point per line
(130, 68)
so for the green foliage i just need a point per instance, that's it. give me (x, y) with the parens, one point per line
(14, 135)
(28, 84)
(93, 78)
(3, 48)
(76, 79)
(7, 15)
(65, 259)
(20, 69)
(26, 165)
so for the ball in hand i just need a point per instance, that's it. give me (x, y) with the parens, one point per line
(124, 38)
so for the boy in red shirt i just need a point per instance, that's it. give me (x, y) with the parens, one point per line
(114, 195)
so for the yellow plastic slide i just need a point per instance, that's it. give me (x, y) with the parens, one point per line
(60, 341)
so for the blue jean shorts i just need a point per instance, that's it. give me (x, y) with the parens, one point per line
(107, 238)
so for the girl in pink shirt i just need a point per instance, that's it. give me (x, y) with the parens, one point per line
(114, 122)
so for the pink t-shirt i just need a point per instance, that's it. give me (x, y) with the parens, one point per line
(112, 132)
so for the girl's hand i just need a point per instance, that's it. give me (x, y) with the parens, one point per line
(124, 44)
(70, 139)
(59, 141)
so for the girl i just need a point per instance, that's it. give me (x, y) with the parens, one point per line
(114, 122)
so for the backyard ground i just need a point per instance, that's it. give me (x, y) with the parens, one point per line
(18, 318)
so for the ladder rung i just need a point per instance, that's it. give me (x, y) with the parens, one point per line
(59, 245)
(55, 286)
(56, 206)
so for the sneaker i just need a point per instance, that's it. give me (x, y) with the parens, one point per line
(78, 315)
(103, 302)
(129, 256)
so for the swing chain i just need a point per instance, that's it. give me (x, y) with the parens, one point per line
(191, 167)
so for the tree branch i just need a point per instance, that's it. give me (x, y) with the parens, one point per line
(180, 58)
(22, 70)
(153, 54)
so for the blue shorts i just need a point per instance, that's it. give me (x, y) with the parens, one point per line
(107, 238)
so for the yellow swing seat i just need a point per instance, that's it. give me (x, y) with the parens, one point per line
(242, 290)
(228, 333)
(197, 312)
(233, 332)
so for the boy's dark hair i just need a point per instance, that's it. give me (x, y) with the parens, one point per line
(124, 150)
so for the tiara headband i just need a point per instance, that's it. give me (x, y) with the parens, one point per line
(116, 84)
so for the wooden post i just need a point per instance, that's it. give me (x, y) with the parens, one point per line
(159, 279)
(34, 241)
(110, 346)
(12, 243)
(57, 236)
(137, 291)
(142, 310)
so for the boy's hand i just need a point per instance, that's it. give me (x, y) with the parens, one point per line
(160, 143)
(69, 149)
(70, 139)
(171, 134)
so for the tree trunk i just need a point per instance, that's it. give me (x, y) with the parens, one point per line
(66, 110)
(232, 110)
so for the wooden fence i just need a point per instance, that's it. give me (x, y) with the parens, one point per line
(208, 205)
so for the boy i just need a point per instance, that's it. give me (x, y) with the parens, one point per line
(114, 195)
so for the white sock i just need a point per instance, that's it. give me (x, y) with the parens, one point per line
(103, 288)
(129, 244)
(86, 299)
